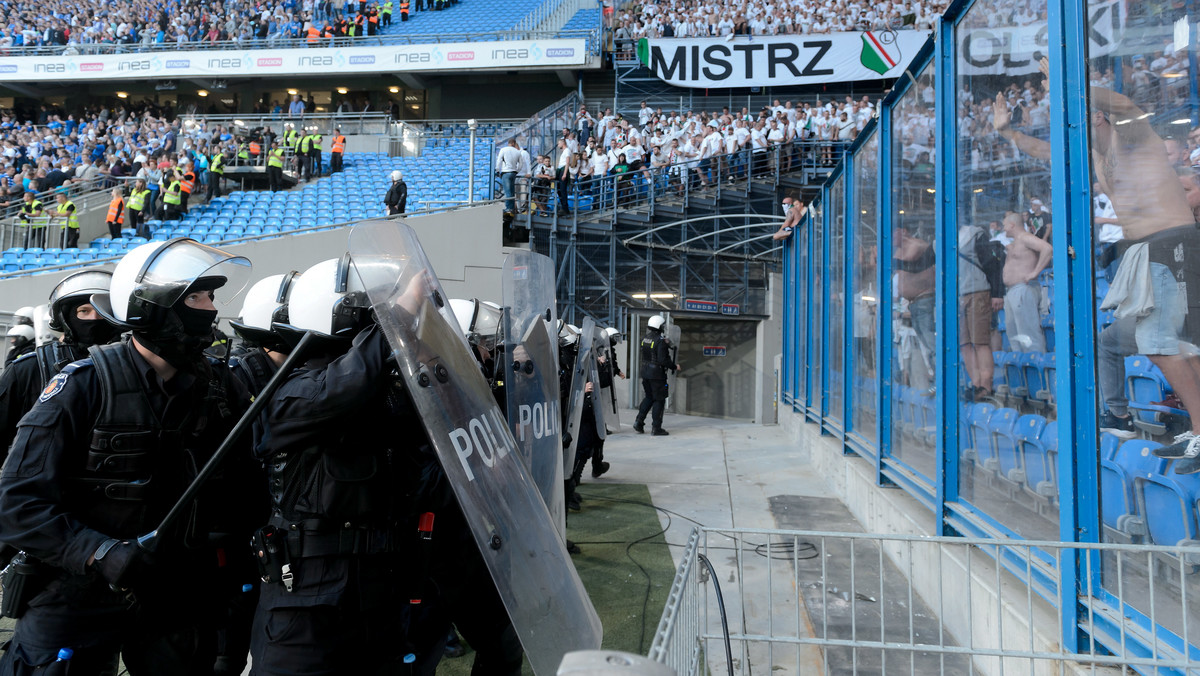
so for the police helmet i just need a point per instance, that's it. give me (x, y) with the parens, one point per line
(479, 320)
(568, 334)
(397, 175)
(21, 334)
(656, 322)
(266, 304)
(149, 280)
(613, 335)
(329, 300)
(75, 290)
(24, 316)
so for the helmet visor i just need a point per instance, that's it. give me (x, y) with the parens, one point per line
(176, 266)
(83, 284)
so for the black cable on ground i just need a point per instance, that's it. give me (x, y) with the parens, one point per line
(712, 575)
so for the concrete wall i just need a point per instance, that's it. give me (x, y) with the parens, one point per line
(996, 615)
(464, 247)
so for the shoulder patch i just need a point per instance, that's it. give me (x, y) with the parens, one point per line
(53, 387)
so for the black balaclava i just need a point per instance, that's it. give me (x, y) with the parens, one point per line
(85, 332)
(181, 338)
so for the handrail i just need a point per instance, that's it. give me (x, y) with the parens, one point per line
(298, 43)
(252, 238)
(80, 190)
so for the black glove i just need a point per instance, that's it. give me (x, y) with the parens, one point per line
(124, 565)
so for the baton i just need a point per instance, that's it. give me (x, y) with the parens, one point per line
(149, 541)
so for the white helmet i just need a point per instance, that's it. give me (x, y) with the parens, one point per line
(22, 333)
(656, 322)
(77, 286)
(612, 333)
(24, 316)
(568, 334)
(479, 320)
(154, 276)
(265, 304)
(329, 299)
(396, 175)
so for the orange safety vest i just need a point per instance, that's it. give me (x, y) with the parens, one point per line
(404, 6)
(313, 34)
(374, 19)
(116, 210)
(339, 144)
(188, 182)
(255, 149)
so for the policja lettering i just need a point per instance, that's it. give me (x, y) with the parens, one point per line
(541, 418)
(479, 436)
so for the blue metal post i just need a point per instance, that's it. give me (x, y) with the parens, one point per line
(849, 161)
(946, 234)
(883, 281)
(811, 325)
(827, 219)
(1193, 66)
(1074, 309)
(789, 339)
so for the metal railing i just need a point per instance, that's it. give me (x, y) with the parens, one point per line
(372, 122)
(77, 191)
(601, 200)
(540, 132)
(252, 238)
(591, 35)
(823, 602)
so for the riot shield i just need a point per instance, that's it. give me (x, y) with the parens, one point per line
(609, 394)
(531, 374)
(528, 562)
(584, 358)
(673, 346)
(599, 402)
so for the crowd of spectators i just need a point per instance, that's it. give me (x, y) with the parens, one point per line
(139, 24)
(697, 18)
(100, 147)
(670, 148)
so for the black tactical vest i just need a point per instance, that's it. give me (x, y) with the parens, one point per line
(54, 356)
(254, 368)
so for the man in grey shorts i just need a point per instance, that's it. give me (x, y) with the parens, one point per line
(1025, 259)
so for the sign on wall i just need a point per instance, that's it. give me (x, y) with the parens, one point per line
(267, 62)
(779, 60)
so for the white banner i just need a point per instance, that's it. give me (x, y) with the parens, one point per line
(781, 60)
(1016, 50)
(267, 62)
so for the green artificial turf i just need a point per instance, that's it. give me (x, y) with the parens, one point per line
(603, 529)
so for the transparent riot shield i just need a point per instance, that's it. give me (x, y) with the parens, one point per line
(673, 346)
(599, 402)
(584, 361)
(533, 573)
(531, 374)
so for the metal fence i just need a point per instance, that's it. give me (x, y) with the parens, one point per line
(377, 122)
(805, 602)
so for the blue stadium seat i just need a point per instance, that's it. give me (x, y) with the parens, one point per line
(1027, 437)
(1032, 367)
(978, 419)
(999, 432)
(1118, 505)
(1145, 384)
(1039, 453)
(1168, 502)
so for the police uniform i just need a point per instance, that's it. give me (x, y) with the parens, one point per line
(103, 454)
(20, 385)
(656, 363)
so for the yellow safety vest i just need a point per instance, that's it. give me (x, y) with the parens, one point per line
(137, 200)
(275, 158)
(172, 195)
(217, 166)
(29, 208)
(73, 218)
(305, 144)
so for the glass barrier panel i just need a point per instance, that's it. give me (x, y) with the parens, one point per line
(865, 231)
(914, 316)
(1005, 277)
(837, 298)
(1145, 149)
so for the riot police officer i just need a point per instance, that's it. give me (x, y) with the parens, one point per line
(102, 456)
(354, 584)
(264, 349)
(20, 343)
(72, 314)
(656, 363)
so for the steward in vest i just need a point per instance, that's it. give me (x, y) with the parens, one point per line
(137, 206)
(304, 155)
(314, 35)
(111, 444)
(32, 222)
(275, 167)
(187, 181)
(336, 150)
(172, 208)
(314, 154)
(116, 214)
(65, 209)
(71, 313)
(372, 21)
(216, 172)
(385, 14)
(404, 10)
(342, 29)
(255, 150)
